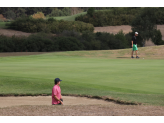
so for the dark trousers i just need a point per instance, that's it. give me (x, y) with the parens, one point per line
(59, 103)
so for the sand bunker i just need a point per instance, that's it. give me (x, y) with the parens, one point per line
(73, 106)
(46, 100)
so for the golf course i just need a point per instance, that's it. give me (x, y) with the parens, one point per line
(110, 73)
(90, 52)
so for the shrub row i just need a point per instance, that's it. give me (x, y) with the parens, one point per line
(29, 24)
(67, 41)
(38, 43)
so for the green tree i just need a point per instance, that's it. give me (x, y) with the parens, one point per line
(10, 14)
(91, 11)
(145, 24)
(66, 11)
(20, 12)
(157, 37)
(56, 12)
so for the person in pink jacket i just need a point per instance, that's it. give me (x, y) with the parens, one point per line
(56, 93)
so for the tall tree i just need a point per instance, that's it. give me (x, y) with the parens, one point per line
(145, 24)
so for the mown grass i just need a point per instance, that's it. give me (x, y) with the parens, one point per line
(134, 80)
(70, 18)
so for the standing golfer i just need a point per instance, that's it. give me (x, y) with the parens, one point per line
(56, 93)
(134, 45)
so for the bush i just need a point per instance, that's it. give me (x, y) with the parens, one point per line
(124, 42)
(10, 14)
(38, 15)
(19, 44)
(6, 44)
(87, 38)
(57, 12)
(157, 37)
(91, 11)
(104, 38)
(72, 33)
(104, 41)
(41, 42)
(66, 11)
(69, 44)
(29, 24)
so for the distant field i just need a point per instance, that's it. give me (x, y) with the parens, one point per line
(96, 73)
(70, 18)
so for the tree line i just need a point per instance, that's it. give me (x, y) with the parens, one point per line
(16, 12)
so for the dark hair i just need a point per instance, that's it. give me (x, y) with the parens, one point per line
(56, 82)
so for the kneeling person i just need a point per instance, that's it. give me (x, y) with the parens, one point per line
(56, 93)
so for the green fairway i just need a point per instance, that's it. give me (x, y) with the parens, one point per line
(126, 79)
(70, 18)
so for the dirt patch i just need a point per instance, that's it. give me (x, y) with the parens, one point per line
(113, 29)
(73, 106)
(10, 32)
